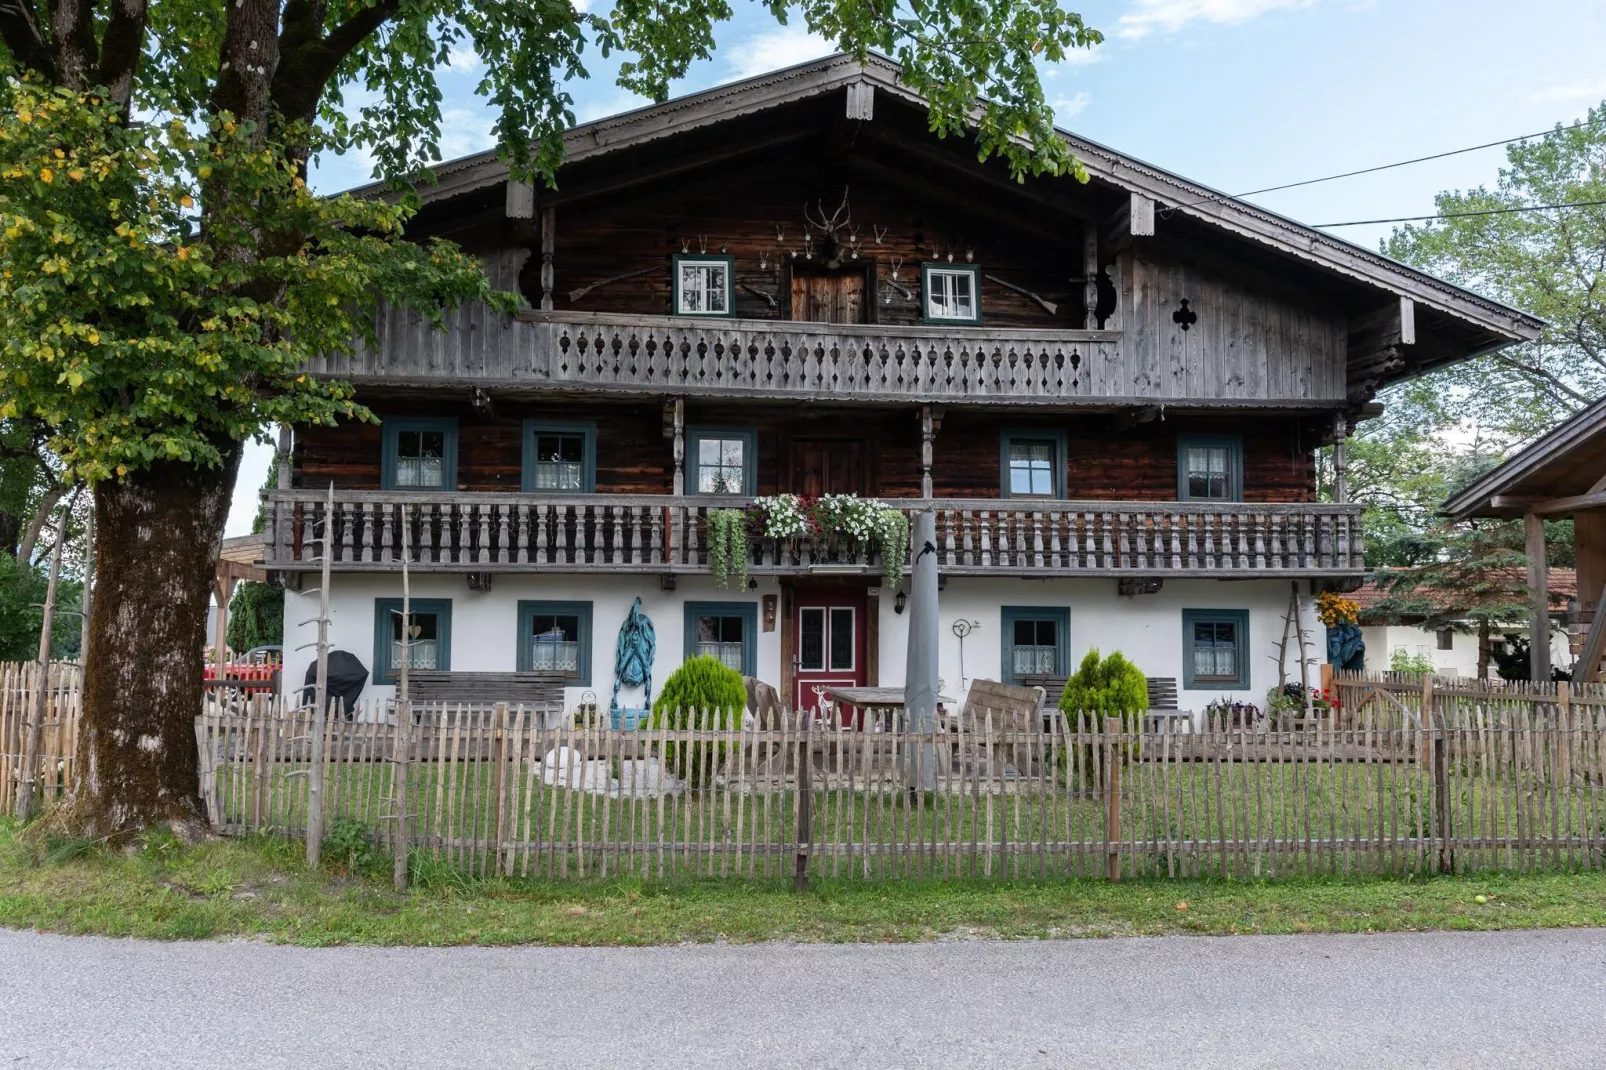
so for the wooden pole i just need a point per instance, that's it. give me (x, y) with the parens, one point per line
(1533, 526)
(1441, 788)
(41, 692)
(401, 744)
(1340, 457)
(1112, 798)
(320, 711)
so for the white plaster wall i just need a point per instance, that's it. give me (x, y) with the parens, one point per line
(484, 624)
(1146, 628)
(1461, 660)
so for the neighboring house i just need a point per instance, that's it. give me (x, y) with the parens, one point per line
(1563, 474)
(1111, 393)
(1454, 651)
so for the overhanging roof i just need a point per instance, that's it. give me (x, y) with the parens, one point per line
(1190, 199)
(1567, 462)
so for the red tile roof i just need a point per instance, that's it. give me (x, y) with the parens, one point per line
(1563, 585)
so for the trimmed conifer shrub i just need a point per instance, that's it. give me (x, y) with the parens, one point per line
(702, 693)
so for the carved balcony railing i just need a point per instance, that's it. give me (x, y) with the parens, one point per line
(661, 534)
(757, 358)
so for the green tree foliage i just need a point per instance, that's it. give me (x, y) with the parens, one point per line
(1402, 660)
(1549, 263)
(1107, 687)
(22, 593)
(703, 692)
(256, 616)
(1466, 577)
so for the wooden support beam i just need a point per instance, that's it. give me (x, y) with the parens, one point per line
(1588, 668)
(549, 234)
(1550, 506)
(286, 447)
(520, 202)
(928, 433)
(1539, 597)
(1340, 457)
(1142, 216)
(861, 101)
(1407, 321)
(675, 410)
(1090, 280)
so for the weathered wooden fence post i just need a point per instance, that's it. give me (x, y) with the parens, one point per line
(1564, 735)
(805, 803)
(33, 738)
(499, 737)
(1112, 798)
(1441, 789)
(401, 753)
(320, 706)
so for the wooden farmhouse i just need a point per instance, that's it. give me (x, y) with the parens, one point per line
(1111, 393)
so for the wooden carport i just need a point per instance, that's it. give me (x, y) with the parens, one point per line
(1562, 474)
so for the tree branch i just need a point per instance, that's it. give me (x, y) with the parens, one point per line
(308, 62)
(19, 29)
(41, 515)
(72, 40)
(120, 46)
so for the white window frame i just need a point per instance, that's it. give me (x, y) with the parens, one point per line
(930, 276)
(727, 264)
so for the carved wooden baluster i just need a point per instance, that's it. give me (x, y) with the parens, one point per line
(385, 511)
(1307, 536)
(655, 519)
(638, 535)
(618, 554)
(1240, 522)
(538, 521)
(694, 528)
(482, 552)
(1037, 540)
(1257, 521)
(1173, 523)
(1001, 548)
(368, 536)
(599, 527)
(1125, 521)
(1089, 557)
(309, 520)
(502, 548)
(967, 537)
(1341, 551)
(521, 525)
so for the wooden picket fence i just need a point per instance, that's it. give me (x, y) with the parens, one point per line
(58, 736)
(1405, 776)
(1506, 779)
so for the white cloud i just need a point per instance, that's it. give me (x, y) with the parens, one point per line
(1067, 107)
(774, 49)
(465, 131)
(1569, 91)
(463, 58)
(1081, 57)
(1169, 16)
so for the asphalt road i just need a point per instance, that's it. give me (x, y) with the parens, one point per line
(1331, 1002)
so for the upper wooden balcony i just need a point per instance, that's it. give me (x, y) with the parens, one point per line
(605, 352)
(618, 533)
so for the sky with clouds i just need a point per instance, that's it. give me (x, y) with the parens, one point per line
(1237, 94)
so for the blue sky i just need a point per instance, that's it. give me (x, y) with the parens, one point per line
(1237, 94)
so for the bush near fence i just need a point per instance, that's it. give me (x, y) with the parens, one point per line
(1488, 778)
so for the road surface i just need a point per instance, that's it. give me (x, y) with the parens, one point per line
(1517, 999)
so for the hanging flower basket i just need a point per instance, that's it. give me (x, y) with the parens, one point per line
(845, 520)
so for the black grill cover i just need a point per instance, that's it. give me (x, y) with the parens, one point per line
(347, 676)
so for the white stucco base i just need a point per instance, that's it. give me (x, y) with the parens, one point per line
(1147, 628)
(1460, 660)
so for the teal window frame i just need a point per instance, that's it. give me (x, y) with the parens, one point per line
(391, 427)
(1008, 436)
(585, 428)
(529, 610)
(1234, 444)
(748, 611)
(1060, 615)
(386, 608)
(973, 270)
(749, 437)
(1238, 617)
(702, 258)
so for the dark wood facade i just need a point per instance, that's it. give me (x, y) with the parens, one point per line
(1105, 461)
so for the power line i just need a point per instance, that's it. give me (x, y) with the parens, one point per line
(1384, 167)
(1461, 215)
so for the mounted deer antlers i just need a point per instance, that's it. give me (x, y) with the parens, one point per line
(832, 246)
(829, 226)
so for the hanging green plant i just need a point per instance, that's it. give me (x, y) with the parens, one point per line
(893, 535)
(727, 547)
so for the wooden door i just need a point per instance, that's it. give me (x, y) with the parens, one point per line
(828, 298)
(828, 466)
(828, 625)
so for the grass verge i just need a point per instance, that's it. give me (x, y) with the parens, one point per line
(260, 888)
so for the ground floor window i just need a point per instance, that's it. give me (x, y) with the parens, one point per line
(727, 631)
(1036, 642)
(1446, 639)
(556, 637)
(1215, 648)
(424, 639)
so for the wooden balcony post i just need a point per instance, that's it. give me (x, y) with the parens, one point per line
(549, 232)
(928, 432)
(1340, 457)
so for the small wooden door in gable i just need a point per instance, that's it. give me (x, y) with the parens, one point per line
(828, 466)
(828, 298)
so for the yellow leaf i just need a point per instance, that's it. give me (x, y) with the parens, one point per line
(45, 174)
(25, 117)
(186, 201)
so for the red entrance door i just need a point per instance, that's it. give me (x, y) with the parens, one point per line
(829, 645)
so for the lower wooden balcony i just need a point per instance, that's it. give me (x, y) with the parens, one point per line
(616, 533)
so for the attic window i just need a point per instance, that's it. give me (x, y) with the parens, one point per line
(703, 285)
(952, 292)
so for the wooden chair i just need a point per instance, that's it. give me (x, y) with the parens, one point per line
(1013, 709)
(541, 691)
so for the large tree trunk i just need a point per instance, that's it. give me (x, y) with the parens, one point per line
(157, 541)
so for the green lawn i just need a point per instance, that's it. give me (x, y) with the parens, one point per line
(259, 887)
